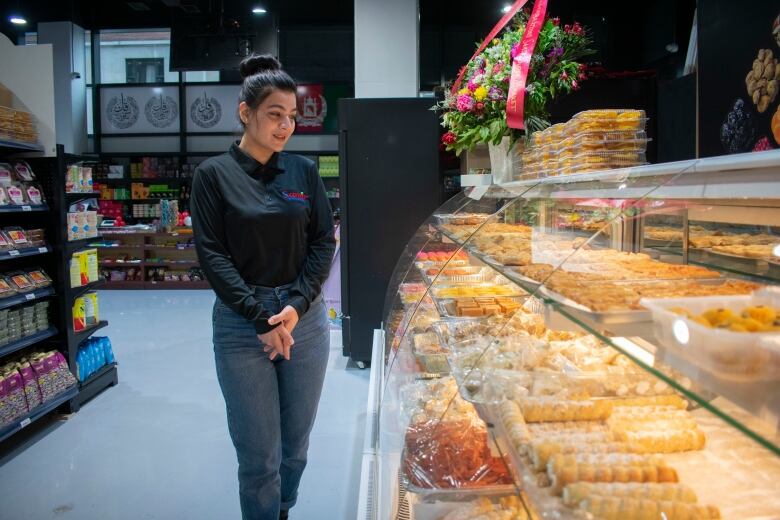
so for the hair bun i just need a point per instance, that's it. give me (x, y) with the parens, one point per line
(256, 63)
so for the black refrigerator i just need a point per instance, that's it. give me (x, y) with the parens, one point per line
(390, 183)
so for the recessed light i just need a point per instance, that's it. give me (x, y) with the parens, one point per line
(259, 10)
(17, 20)
(506, 8)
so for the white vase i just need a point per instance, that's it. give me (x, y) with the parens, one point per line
(504, 161)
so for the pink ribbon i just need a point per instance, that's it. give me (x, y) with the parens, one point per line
(516, 101)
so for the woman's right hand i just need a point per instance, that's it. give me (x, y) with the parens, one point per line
(277, 342)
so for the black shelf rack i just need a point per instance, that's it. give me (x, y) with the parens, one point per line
(54, 258)
(19, 299)
(28, 341)
(38, 412)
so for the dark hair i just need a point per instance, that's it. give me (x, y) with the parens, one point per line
(262, 75)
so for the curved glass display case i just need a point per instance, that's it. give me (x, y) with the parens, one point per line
(598, 345)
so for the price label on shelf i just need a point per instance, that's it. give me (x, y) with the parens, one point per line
(43, 250)
(26, 208)
(30, 296)
(13, 252)
(25, 423)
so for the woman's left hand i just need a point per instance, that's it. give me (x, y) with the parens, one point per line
(288, 318)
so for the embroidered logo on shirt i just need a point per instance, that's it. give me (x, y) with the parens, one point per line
(298, 196)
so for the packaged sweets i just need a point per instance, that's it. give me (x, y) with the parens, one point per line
(6, 291)
(17, 236)
(32, 391)
(4, 199)
(6, 174)
(23, 171)
(39, 278)
(20, 281)
(34, 195)
(15, 194)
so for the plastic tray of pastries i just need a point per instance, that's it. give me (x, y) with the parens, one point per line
(607, 120)
(611, 296)
(462, 219)
(701, 328)
(483, 307)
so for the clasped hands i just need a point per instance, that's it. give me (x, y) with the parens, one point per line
(279, 341)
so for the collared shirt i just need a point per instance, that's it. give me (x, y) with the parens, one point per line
(262, 224)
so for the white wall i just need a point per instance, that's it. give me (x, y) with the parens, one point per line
(28, 72)
(386, 48)
(70, 96)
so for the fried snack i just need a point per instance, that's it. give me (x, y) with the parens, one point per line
(610, 467)
(573, 494)
(622, 508)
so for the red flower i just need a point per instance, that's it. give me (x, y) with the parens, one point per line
(575, 85)
(567, 28)
(479, 107)
(564, 75)
(556, 21)
(582, 76)
(583, 66)
(448, 138)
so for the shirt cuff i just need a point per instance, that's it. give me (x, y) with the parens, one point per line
(262, 326)
(300, 304)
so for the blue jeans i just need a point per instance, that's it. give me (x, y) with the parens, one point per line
(271, 405)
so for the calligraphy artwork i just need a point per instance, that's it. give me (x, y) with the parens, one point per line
(205, 111)
(161, 111)
(122, 111)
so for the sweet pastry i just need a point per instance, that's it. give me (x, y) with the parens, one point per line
(663, 441)
(542, 409)
(573, 494)
(609, 467)
(624, 508)
(507, 508)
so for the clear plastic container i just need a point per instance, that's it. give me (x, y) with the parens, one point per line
(461, 275)
(462, 219)
(476, 290)
(739, 356)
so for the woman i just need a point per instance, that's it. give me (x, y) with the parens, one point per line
(264, 236)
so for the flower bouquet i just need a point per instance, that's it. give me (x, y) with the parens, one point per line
(477, 112)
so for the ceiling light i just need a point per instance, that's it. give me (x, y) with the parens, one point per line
(259, 10)
(506, 8)
(17, 20)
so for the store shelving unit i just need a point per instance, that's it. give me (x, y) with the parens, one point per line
(53, 258)
(143, 246)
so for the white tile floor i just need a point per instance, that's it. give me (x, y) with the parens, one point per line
(156, 446)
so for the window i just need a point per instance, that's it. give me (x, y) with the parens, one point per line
(122, 55)
(201, 76)
(144, 70)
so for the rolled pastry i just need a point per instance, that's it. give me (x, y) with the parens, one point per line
(543, 409)
(552, 428)
(573, 494)
(542, 450)
(623, 508)
(611, 467)
(660, 441)
(656, 400)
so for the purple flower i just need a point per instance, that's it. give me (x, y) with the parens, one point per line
(555, 52)
(465, 103)
(495, 93)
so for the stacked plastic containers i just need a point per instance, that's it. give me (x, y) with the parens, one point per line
(592, 140)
